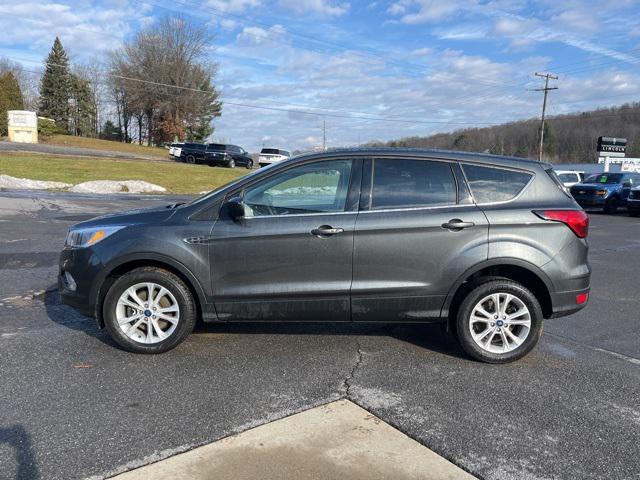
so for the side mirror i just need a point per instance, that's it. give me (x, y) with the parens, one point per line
(234, 209)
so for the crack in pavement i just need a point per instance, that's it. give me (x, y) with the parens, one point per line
(346, 383)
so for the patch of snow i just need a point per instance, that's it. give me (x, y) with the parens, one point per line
(7, 181)
(117, 186)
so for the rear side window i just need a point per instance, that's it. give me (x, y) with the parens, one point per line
(489, 184)
(412, 183)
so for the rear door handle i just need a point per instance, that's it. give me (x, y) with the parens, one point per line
(326, 231)
(456, 224)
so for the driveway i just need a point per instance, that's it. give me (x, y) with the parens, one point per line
(74, 406)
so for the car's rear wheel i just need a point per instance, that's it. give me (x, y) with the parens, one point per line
(191, 159)
(499, 321)
(232, 163)
(149, 310)
(612, 205)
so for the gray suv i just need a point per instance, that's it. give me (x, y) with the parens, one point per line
(489, 246)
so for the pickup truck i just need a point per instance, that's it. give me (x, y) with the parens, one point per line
(214, 154)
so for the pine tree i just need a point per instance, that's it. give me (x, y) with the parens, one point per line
(82, 107)
(10, 98)
(55, 88)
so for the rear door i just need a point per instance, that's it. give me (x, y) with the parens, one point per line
(416, 233)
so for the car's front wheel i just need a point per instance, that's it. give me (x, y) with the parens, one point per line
(149, 310)
(499, 321)
(249, 164)
(191, 159)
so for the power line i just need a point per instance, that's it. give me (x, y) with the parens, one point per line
(347, 114)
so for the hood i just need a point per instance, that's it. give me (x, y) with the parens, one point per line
(141, 216)
(595, 186)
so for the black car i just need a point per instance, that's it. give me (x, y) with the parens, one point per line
(215, 154)
(490, 246)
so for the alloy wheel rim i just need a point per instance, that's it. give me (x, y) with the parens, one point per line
(500, 323)
(147, 313)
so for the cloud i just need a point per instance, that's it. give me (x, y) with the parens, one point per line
(423, 11)
(233, 6)
(324, 7)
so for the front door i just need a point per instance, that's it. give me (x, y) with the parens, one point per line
(290, 258)
(416, 233)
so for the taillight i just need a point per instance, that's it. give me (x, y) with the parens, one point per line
(576, 220)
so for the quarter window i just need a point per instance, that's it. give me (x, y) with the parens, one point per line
(312, 188)
(412, 183)
(490, 184)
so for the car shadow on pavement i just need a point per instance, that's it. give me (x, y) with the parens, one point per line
(65, 315)
(428, 336)
(16, 437)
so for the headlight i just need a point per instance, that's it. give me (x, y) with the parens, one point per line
(85, 237)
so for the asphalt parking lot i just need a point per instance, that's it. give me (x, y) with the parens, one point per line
(74, 406)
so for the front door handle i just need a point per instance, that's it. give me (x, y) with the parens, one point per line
(326, 231)
(456, 224)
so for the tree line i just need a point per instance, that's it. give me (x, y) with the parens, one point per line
(570, 138)
(156, 88)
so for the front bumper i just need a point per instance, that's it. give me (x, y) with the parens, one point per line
(633, 205)
(83, 266)
(594, 201)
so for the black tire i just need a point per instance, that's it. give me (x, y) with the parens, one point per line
(249, 164)
(612, 205)
(182, 294)
(232, 163)
(481, 291)
(634, 213)
(191, 159)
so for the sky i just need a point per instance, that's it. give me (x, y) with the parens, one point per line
(368, 70)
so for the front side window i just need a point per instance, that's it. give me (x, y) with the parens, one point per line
(312, 188)
(491, 184)
(399, 183)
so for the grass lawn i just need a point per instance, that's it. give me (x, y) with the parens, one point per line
(175, 177)
(97, 144)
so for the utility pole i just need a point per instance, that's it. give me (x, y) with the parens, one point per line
(547, 77)
(324, 135)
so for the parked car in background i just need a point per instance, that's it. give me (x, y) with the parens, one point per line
(570, 177)
(216, 154)
(175, 150)
(272, 155)
(227, 155)
(605, 190)
(192, 152)
(489, 246)
(633, 202)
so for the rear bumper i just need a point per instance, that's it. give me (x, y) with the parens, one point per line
(567, 303)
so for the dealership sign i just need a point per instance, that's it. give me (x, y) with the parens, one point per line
(612, 147)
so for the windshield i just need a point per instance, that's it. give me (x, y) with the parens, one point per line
(605, 178)
(271, 151)
(568, 177)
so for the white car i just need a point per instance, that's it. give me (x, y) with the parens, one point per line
(272, 155)
(570, 177)
(175, 150)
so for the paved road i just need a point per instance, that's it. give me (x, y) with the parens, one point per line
(73, 406)
(76, 151)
